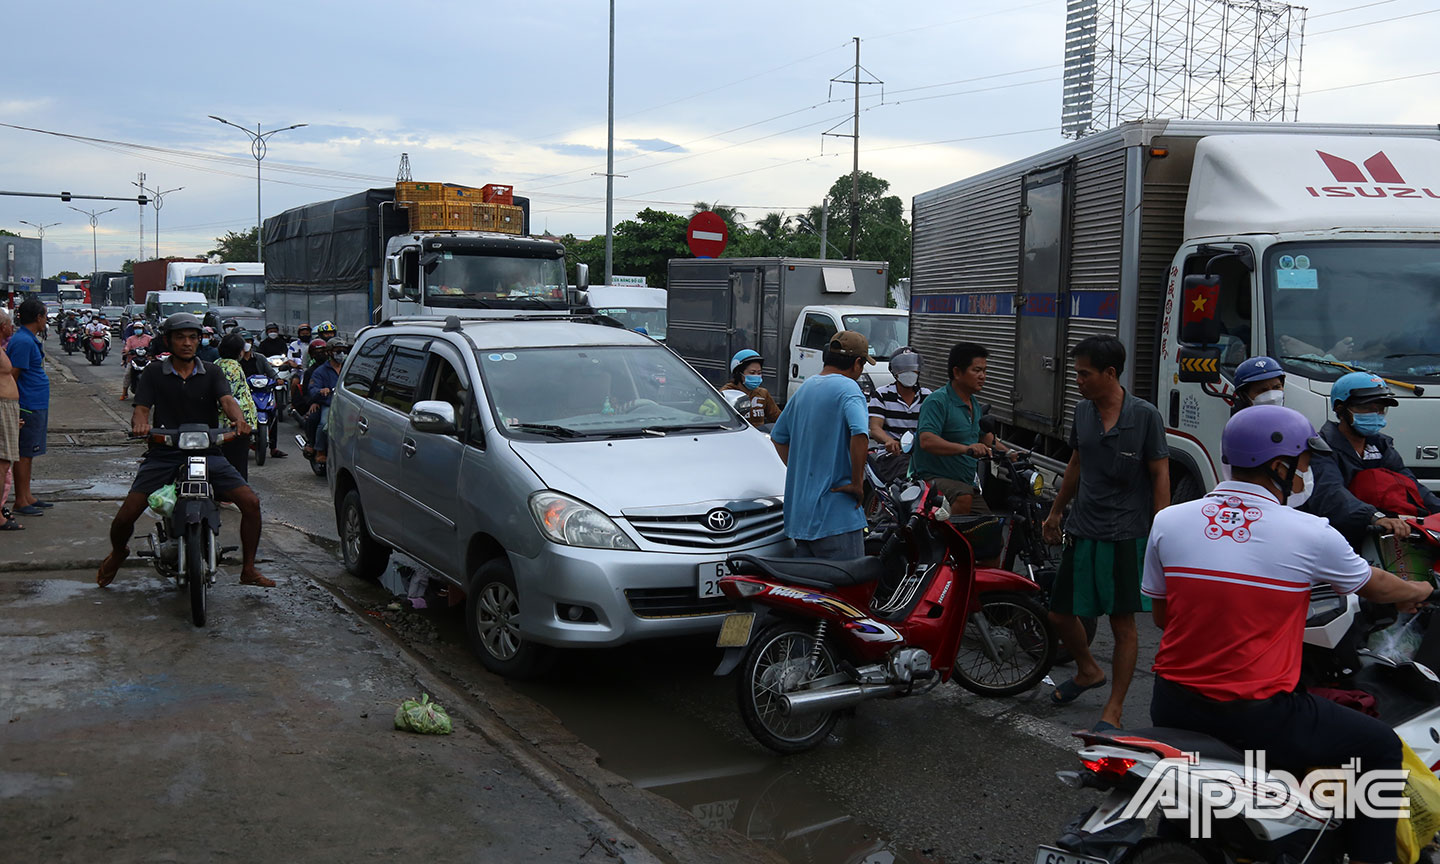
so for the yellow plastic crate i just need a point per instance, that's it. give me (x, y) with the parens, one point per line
(456, 194)
(408, 193)
(428, 216)
(509, 219)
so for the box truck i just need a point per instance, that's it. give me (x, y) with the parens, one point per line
(1321, 243)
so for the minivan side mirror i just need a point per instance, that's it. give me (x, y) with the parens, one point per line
(433, 416)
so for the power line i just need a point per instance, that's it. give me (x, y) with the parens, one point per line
(1369, 83)
(1348, 9)
(1377, 21)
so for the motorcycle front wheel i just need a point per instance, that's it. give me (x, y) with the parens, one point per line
(1008, 646)
(780, 660)
(262, 442)
(195, 576)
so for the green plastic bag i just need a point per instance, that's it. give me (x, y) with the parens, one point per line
(162, 500)
(425, 717)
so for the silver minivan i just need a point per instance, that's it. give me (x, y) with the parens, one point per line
(580, 482)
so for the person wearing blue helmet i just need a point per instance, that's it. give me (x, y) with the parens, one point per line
(745, 377)
(1229, 578)
(1258, 381)
(1361, 400)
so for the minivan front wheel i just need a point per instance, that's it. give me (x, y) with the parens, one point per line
(492, 607)
(364, 556)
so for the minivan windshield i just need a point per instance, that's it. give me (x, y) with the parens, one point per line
(885, 333)
(459, 279)
(600, 391)
(1372, 305)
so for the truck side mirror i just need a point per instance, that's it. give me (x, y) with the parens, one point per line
(1200, 318)
(394, 273)
(582, 277)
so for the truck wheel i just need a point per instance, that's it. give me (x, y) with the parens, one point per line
(491, 606)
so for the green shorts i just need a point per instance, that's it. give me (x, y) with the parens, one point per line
(1100, 577)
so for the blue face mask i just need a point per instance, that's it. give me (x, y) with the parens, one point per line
(1367, 424)
(752, 381)
(204, 341)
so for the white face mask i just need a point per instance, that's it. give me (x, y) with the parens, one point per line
(1269, 397)
(1298, 498)
(909, 379)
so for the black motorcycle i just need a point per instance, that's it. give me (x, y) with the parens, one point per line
(139, 359)
(303, 439)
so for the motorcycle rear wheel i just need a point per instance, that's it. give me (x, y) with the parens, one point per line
(1023, 643)
(771, 657)
(195, 576)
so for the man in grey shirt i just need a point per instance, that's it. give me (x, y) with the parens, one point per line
(1119, 478)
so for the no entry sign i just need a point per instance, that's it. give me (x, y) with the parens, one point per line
(707, 235)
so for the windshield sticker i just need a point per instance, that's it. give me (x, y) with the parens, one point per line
(1287, 262)
(449, 256)
(1297, 280)
(495, 358)
(1302, 262)
(508, 355)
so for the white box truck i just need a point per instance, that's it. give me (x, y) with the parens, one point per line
(1325, 241)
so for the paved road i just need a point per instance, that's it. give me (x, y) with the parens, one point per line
(948, 776)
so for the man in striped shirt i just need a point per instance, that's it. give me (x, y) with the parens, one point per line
(895, 410)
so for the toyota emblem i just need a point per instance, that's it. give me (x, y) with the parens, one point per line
(720, 520)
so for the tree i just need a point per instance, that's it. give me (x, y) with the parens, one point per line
(66, 276)
(4, 233)
(643, 247)
(884, 232)
(128, 266)
(237, 246)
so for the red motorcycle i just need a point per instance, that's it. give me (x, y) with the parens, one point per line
(813, 637)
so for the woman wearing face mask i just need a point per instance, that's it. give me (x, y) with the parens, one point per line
(745, 377)
(1258, 381)
(1361, 401)
(209, 346)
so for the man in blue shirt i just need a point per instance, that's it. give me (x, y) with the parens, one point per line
(822, 436)
(27, 360)
(321, 390)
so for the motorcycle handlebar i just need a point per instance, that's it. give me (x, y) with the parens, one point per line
(159, 435)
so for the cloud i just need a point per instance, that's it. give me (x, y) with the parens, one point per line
(653, 144)
(575, 149)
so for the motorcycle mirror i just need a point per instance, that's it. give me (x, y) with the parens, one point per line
(907, 441)
(910, 494)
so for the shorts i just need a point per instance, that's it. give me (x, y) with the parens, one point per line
(955, 489)
(1100, 577)
(836, 547)
(9, 430)
(160, 466)
(33, 433)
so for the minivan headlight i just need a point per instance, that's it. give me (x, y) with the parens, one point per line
(564, 520)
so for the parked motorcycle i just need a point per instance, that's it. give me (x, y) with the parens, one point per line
(812, 637)
(184, 546)
(97, 348)
(262, 390)
(1407, 696)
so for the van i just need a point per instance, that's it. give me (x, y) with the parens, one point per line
(579, 482)
(160, 305)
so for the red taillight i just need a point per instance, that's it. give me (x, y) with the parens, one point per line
(1113, 767)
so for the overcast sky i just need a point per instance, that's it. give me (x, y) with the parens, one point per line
(714, 101)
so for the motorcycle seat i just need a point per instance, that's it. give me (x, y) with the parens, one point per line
(1183, 740)
(814, 572)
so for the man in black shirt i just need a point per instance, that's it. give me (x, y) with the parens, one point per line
(180, 390)
(273, 343)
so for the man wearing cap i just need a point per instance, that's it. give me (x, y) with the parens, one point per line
(822, 438)
(1361, 401)
(895, 410)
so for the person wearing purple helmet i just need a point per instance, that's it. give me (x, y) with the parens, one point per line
(1229, 578)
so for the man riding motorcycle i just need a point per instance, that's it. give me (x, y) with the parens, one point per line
(299, 350)
(1229, 579)
(321, 390)
(273, 343)
(183, 389)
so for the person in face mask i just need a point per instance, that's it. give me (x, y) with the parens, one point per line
(1258, 381)
(745, 377)
(894, 410)
(1361, 401)
(209, 350)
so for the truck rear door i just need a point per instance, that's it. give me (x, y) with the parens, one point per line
(1039, 354)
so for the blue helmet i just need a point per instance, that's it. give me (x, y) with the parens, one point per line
(744, 355)
(1257, 369)
(1360, 388)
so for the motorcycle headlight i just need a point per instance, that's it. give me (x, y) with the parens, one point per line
(277, 361)
(867, 384)
(194, 441)
(1037, 483)
(564, 520)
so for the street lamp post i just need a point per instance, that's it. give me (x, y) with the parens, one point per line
(258, 147)
(39, 229)
(94, 217)
(157, 198)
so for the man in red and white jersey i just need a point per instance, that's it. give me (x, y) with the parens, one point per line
(1229, 577)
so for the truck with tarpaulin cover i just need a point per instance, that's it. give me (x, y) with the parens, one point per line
(415, 249)
(1315, 244)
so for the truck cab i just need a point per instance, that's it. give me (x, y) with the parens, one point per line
(887, 330)
(1326, 255)
(471, 274)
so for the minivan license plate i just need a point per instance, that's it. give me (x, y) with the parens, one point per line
(1051, 855)
(709, 584)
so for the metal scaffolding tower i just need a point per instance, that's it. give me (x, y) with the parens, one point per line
(1180, 59)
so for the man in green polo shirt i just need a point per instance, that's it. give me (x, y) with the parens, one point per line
(950, 437)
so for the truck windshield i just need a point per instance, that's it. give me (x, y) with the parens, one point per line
(1369, 305)
(600, 391)
(70, 295)
(458, 279)
(653, 320)
(243, 291)
(885, 333)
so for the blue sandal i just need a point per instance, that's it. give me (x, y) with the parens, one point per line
(1070, 690)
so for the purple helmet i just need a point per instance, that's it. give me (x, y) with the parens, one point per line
(1264, 432)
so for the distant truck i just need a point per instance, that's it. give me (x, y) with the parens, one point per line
(102, 288)
(785, 308)
(21, 263)
(161, 274)
(431, 249)
(634, 306)
(1321, 243)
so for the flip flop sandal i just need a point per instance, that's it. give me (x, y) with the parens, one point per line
(1070, 690)
(1105, 726)
(11, 525)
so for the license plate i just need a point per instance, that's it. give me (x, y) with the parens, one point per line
(709, 583)
(1051, 855)
(735, 630)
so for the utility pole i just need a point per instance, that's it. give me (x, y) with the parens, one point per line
(610, 160)
(824, 226)
(157, 200)
(854, 135)
(94, 218)
(39, 229)
(259, 145)
(141, 184)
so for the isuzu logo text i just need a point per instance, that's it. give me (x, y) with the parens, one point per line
(1380, 170)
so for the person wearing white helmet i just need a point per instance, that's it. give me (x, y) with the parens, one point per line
(895, 410)
(745, 377)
